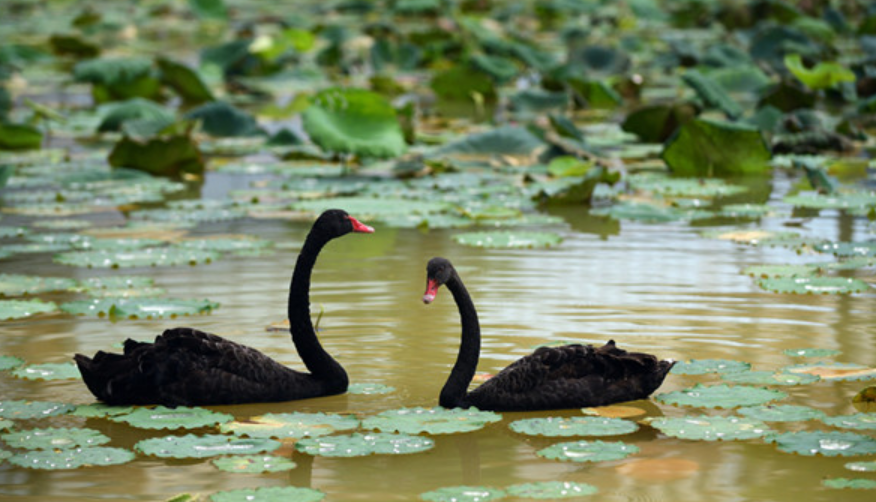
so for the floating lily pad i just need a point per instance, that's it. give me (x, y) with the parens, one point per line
(72, 458)
(358, 445)
(847, 249)
(291, 425)
(588, 451)
(372, 207)
(19, 309)
(814, 285)
(772, 271)
(21, 409)
(181, 417)
(836, 200)
(751, 211)
(753, 237)
(146, 257)
(770, 378)
(573, 426)
(269, 494)
(812, 352)
(508, 240)
(829, 444)
(720, 396)
(615, 411)
(846, 483)
(705, 147)
(551, 490)
(52, 438)
(683, 187)
(17, 285)
(781, 413)
(463, 494)
(834, 371)
(369, 388)
(210, 445)
(651, 213)
(10, 362)
(861, 466)
(711, 428)
(5, 425)
(100, 410)
(431, 420)
(254, 463)
(139, 308)
(858, 421)
(232, 244)
(48, 371)
(703, 366)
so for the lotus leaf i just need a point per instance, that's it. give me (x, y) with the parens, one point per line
(859, 421)
(829, 444)
(837, 200)
(148, 257)
(772, 271)
(52, 438)
(770, 378)
(118, 282)
(551, 490)
(21, 409)
(573, 426)
(291, 425)
(10, 362)
(373, 207)
(117, 78)
(5, 425)
(751, 211)
(47, 371)
(711, 428)
(703, 366)
(369, 388)
(19, 136)
(781, 413)
(463, 494)
(6, 232)
(823, 75)
(506, 140)
(209, 445)
(269, 494)
(683, 187)
(72, 458)
(845, 483)
(720, 396)
(847, 249)
(712, 94)
(139, 308)
(185, 81)
(588, 451)
(181, 417)
(814, 285)
(234, 244)
(861, 466)
(254, 463)
(358, 445)
(116, 114)
(703, 147)
(431, 420)
(221, 119)
(18, 309)
(834, 371)
(100, 410)
(17, 285)
(190, 215)
(508, 240)
(652, 213)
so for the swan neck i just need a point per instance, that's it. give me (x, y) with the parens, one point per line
(454, 393)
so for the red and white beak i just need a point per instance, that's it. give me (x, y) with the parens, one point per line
(431, 291)
(358, 226)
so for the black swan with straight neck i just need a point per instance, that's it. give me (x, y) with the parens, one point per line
(188, 367)
(570, 376)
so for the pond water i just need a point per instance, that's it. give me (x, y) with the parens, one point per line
(656, 287)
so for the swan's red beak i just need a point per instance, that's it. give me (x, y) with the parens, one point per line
(431, 291)
(358, 226)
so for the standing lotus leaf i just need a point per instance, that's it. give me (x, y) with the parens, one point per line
(463, 494)
(861, 466)
(508, 240)
(551, 490)
(19, 309)
(829, 444)
(770, 378)
(859, 421)
(5, 425)
(588, 451)
(72, 458)
(10, 362)
(181, 417)
(22, 410)
(720, 396)
(269, 494)
(254, 463)
(291, 425)
(52, 438)
(710, 428)
(48, 371)
(812, 352)
(573, 426)
(209, 445)
(139, 308)
(369, 388)
(703, 366)
(359, 445)
(814, 285)
(845, 483)
(781, 413)
(431, 420)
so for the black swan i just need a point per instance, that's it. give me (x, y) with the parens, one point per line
(571, 376)
(187, 367)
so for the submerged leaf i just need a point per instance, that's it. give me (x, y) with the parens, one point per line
(431, 420)
(291, 425)
(359, 445)
(588, 451)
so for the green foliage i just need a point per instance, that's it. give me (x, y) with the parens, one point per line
(828, 444)
(10, 362)
(19, 309)
(551, 490)
(223, 120)
(57, 459)
(845, 483)
(139, 308)
(588, 451)
(656, 123)
(209, 9)
(720, 396)
(362, 388)
(704, 147)
(781, 413)
(47, 371)
(814, 285)
(822, 76)
(54, 438)
(508, 240)
(858, 421)
(23, 410)
(174, 153)
(147, 257)
(251, 464)
(181, 417)
(19, 136)
(359, 445)
(573, 426)
(186, 82)
(116, 114)
(18, 285)
(769, 378)
(209, 445)
(712, 94)
(269, 494)
(463, 494)
(703, 366)
(705, 428)
(508, 140)
(116, 79)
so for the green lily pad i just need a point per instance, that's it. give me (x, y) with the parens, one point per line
(773, 271)
(118, 282)
(720, 396)
(224, 120)
(651, 213)
(209, 445)
(181, 417)
(770, 378)
(358, 445)
(372, 207)
(846, 483)
(72, 458)
(711, 428)
(17, 285)
(829, 444)
(847, 249)
(48, 371)
(508, 240)
(190, 215)
(235, 244)
(834, 371)
(463, 494)
(683, 187)
(507, 140)
(146, 257)
(703, 366)
(116, 114)
(781, 413)
(369, 388)
(704, 147)
(52, 438)
(291, 425)
(544, 490)
(823, 75)
(10, 362)
(573, 426)
(858, 421)
(5, 425)
(100, 410)
(139, 308)
(814, 285)
(254, 463)
(19, 309)
(747, 210)
(269, 494)
(431, 420)
(836, 200)
(861, 466)
(21, 409)
(588, 451)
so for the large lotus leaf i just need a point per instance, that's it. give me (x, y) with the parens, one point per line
(111, 282)
(269, 494)
(181, 417)
(462, 83)
(703, 366)
(859, 421)
(167, 155)
(814, 285)
(355, 121)
(683, 187)
(720, 396)
(707, 148)
(711, 428)
(811, 352)
(223, 120)
(823, 75)
(358, 445)
(846, 483)
(463, 494)
(431, 420)
(47, 371)
(19, 136)
(116, 114)
(573, 426)
(508, 240)
(291, 425)
(652, 213)
(588, 451)
(210, 445)
(100, 410)
(10, 362)
(254, 463)
(52, 438)
(146, 257)
(834, 371)
(712, 94)
(184, 80)
(21, 409)
(861, 466)
(18, 309)
(72, 458)
(781, 413)
(829, 444)
(836, 200)
(770, 378)
(5, 425)
(505, 140)
(369, 388)
(139, 308)
(772, 271)
(551, 490)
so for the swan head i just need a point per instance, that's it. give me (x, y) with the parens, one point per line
(336, 222)
(438, 272)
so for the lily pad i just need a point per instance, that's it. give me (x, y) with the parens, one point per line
(227, 244)
(683, 187)
(100, 410)
(573, 426)
(52, 438)
(704, 147)
(834, 371)
(781, 413)
(291, 425)
(829, 444)
(209, 445)
(508, 240)
(588, 451)
(773, 271)
(72, 458)
(10, 362)
(369, 388)
(711, 428)
(48, 371)
(858, 421)
(651, 213)
(823, 75)
(720, 396)
(19, 309)
(846, 483)
(359, 445)
(703, 366)
(181, 417)
(836, 200)
(254, 463)
(847, 249)
(861, 466)
(17, 285)
(431, 420)
(139, 308)
(463, 494)
(814, 285)
(21, 409)
(551, 490)
(770, 378)
(269, 494)
(146, 257)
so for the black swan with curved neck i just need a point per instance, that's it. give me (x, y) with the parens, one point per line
(187, 367)
(571, 376)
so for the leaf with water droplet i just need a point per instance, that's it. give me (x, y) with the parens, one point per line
(208, 445)
(18, 285)
(100, 410)
(704, 428)
(363, 388)
(770, 378)
(861, 466)
(846, 483)
(814, 285)
(181, 417)
(829, 444)
(682, 187)
(781, 413)
(52, 438)
(72, 459)
(10, 362)
(771, 271)
(812, 352)
(291, 425)
(858, 421)
(48, 371)
(463, 494)
(19, 309)
(22, 410)
(703, 366)
(551, 490)
(573, 426)
(720, 396)
(588, 451)
(254, 463)
(836, 200)
(358, 445)
(139, 308)
(431, 420)
(269, 494)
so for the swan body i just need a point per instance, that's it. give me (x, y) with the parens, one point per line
(570, 376)
(188, 367)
